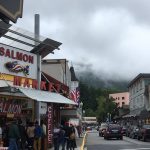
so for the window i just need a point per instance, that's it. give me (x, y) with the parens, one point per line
(140, 84)
(122, 98)
(123, 103)
(118, 98)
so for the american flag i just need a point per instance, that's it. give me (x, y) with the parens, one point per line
(75, 95)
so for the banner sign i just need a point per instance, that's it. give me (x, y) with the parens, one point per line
(17, 62)
(8, 108)
(50, 123)
(11, 10)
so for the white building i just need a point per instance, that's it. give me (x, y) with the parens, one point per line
(139, 99)
(58, 69)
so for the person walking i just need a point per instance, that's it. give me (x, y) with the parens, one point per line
(23, 136)
(30, 135)
(72, 138)
(13, 135)
(79, 131)
(5, 135)
(37, 136)
(67, 133)
(44, 139)
(61, 138)
(56, 133)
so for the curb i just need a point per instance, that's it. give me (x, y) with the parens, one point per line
(83, 141)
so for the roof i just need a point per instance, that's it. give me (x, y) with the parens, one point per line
(25, 40)
(44, 96)
(34, 94)
(54, 61)
(73, 76)
(141, 75)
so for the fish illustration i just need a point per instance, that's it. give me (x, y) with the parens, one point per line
(14, 66)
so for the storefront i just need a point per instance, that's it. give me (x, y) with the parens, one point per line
(19, 92)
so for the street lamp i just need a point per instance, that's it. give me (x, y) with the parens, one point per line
(83, 112)
(81, 105)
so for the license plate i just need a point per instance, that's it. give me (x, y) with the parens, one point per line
(114, 131)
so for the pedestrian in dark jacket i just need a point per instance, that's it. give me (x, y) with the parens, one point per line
(67, 132)
(37, 136)
(72, 138)
(61, 138)
(56, 133)
(23, 136)
(13, 135)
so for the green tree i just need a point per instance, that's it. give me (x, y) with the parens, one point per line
(89, 112)
(101, 112)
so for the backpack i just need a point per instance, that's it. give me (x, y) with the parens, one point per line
(38, 132)
(72, 136)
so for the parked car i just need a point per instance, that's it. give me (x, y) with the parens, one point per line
(124, 129)
(134, 132)
(128, 131)
(88, 128)
(144, 132)
(102, 129)
(113, 131)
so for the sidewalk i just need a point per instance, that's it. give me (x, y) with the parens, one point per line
(78, 141)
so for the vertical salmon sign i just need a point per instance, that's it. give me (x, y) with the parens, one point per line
(11, 10)
(50, 123)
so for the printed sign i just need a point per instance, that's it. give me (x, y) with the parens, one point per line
(17, 62)
(7, 108)
(43, 108)
(50, 123)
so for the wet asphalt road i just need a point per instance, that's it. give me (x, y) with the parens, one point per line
(94, 142)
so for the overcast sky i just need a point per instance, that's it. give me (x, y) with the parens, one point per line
(107, 36)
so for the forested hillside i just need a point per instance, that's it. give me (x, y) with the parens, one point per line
(94, 93)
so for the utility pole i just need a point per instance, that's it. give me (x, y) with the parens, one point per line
(37, 35)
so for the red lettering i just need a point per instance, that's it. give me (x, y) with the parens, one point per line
(50, 87)
(25, 57)
(16, 55)
(31, 59)
(43, 85)
(26, 83)
(2, 51)
(12, 55)
(17, 81)
(19, 56)
(7, 54)
(35, 84)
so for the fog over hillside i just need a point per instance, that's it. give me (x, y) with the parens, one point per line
(102, 81)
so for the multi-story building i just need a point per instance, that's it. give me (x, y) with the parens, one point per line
(139, 99)
(58, 69)
(120, 99)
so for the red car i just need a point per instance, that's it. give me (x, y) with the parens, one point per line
(144, 132)
(113, 131)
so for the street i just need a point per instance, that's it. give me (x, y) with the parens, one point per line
(94, 142)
